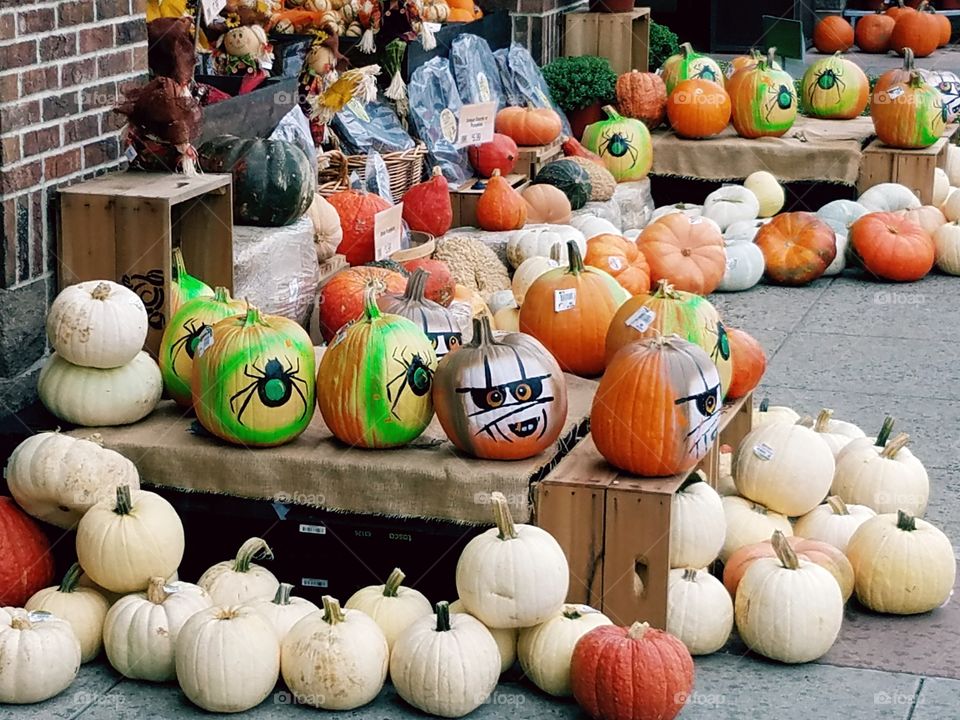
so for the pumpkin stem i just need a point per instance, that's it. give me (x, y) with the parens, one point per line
(785, 553)
(686, 49)
(891, 449)
(332, 612)
(771, 57)
(443, 616)
(155, 592)
(907, 55)
(906, 522)
(393, 583)
(21, 622)
(502, 516)
(823, 420)
(254, 547)
(101, 291)
(837, 504)
(253, 316)
(806, 421)
(764, 405)
(690, 574)
(575, 258)
(69, 582)
(436, 172)
(179, 267)
(124, 503)
(570, 612)
(665, 290)
(916, 80)
(759, 509)
(611, 112)
(221, 295)
(283, 594)
(885, 431)
(691, 479)
(638, 630)
(482, 333)
(371, 291)
(416, 285)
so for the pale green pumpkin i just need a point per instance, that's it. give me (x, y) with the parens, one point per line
(689, 65)
(185, 286)
(835, 88)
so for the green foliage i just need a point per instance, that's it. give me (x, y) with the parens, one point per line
(578, 82)
(663, 43)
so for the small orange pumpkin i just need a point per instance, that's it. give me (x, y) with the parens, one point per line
(872, 34)
(698, 109)
(546, 204)
(622, 259)
(500, 207)
(797, 247)
(687, 252)
(529, 125)
(749, 363)
(833, 34)
(919, 31)
(892, 247)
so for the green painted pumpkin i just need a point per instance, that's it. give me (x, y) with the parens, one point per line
(568, 177)
(689, 65)
(182, 336)
(908, 114)
(623, 144)
(437, 322)
(375, 379)
(184, 285)
(835, 88)
(253, 379)
(763, 99)
(273, 184)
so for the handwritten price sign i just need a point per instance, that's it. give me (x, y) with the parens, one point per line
(476, 124)
(387, 229)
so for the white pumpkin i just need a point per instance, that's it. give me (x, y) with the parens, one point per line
(227, 659)
(699, 610)
(788, 609)
(512, 576)
(834, 522)
(39, 657)
(545, 650)
(745, 266)
(539, 240)
(97, 324)
(697, 524)
(725, 484)
(529, 270)
(844, 212)
(111, 596)
(591, 225)
(941, 186)
(238, 581)
(885, 477)
(836, 433)
(787, 468)
(140, 631)
(392, 607)
(743, 231)
(122, 543)
(633, 234)
(903, 565)
(283, 611)
(92, 397)
(506, 639)
(766, 413)
(749, 523)
(57, 478)
(501, 299)
(947, 242)
(5, 616)
(507, 320)
(84, 608)
(842, 239)
(688, 209)
(327, 232)
(445, 664)
(730, 203)
(952, 167)
(768, 190)
(336, 659)
(889, 197)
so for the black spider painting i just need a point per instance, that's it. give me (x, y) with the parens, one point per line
(188, 343)
(416, 375)
(273, 386)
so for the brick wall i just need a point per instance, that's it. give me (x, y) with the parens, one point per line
(61, 67)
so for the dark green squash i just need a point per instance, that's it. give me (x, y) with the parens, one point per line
(569, 177)
(273, 184)
(388, 264)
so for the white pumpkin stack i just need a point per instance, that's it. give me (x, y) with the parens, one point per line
(98, 373)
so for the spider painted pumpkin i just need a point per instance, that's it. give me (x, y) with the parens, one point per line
(622, 143)
(184, 286)
(687, 253)
(182, 336)
(797, 247)
(687, 65)
(341, 299)
(698, 109)
(569, 309)
(763, 99)
(892, 247)
(747, 61)
(375, 380)
(357, 210)
(833, 34)
(253, 379)
(657, 408)
(621, 259)
(835, 88)
(500, 399)
(437, 322)
(908, 115)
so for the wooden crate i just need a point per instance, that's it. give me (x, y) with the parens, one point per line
(464, 199)
(124, 226)
(615, 528)
(531, 158)
(912, 168)
(621, 38)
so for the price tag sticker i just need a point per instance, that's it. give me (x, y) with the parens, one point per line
(763, 451)
(641, 319)
(732, 263)
(894, 92)
(294, 290)
(586, 610)
(387, 229)
(204, 341)
(476, 124)
(212, 8)
(171, 588)
(615, 263)
(564, 299)
(38, 616)
(696, 220)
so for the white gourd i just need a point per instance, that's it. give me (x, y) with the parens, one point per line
(834, 522)
(730, 203)
(84, 608)
(699, 610)
(392, 607)
(697, 524)
(506, 638)
(591, 226)
(836, 433)
(238, 581)
(941, 186)
(947, 242)
(688, 209)
(528, 271)
(743, 231)
(39, 657)
(749, 523)
(539, 240)
(843, 212)
(842, 239)
(283, 611)
(744, 268)
(768, 190)
(889, 197)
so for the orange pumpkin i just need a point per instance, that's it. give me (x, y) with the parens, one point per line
(946, 29)
(546, 204)
(908, 115)
(744, 61)
(897, 9)
(569, 309)
(458, 15)
(500, 207)
(763, 99)
(657, 408)
(892, 247)
(643, 96)
(341, 299)
(357, 210)
(833, 34)
(698, 109)
(687, 252)
(823, 554)
(919, 31)
(902, 74)
(749, 363)
(797, 247)
(529, 125)
(622, 259)
(872, 34)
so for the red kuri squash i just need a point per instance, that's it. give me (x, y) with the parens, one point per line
(356, 210)
(427, 207)
(749, 362)
(440, 285)
(500, 207)
(27, 563)
(797, 247)
(892, 247)
(498, 154)
(341, 299)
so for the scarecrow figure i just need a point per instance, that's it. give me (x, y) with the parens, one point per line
(321, 68)
(243, 50)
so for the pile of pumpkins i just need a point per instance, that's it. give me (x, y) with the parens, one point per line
(920, 29)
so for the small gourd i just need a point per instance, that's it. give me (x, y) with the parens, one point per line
(699, 610)
(500, 207)
(84, 608)
(238, 581)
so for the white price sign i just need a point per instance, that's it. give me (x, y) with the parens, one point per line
(212, 8)
(387, 229)
(476, 124)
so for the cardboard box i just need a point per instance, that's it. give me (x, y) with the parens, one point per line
(621, 38)
(464, 199)
(912, 168)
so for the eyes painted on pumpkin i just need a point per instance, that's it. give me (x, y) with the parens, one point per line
(445, 342)
(706, 402)
(703, 411)
(523, 391)
(508, 401)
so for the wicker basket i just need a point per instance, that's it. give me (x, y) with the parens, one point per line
(405, 168)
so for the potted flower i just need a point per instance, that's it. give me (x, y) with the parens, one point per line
(581, 86)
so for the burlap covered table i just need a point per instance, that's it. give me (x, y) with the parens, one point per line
(812, 150)
(430, 479)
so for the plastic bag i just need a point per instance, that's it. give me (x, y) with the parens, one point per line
(530, 86)
(608, 210)
(434, 108)
(295, 128)
(476, 71)
(373, 127)
(510, 92)
(377, 177)
(636, 203)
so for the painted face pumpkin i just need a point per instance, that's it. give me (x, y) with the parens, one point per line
(500, 399)
(375, 380)
(437, 322)
(253, 379)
